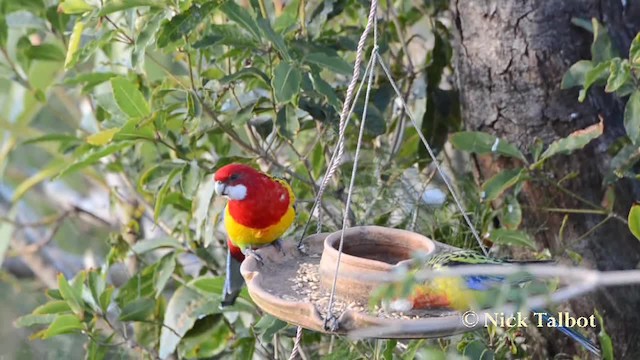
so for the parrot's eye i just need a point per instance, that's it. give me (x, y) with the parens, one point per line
(234, 177)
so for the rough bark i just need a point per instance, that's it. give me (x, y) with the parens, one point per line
(510, 59)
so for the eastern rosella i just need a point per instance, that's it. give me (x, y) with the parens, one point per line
(260, 209)
(464, 293)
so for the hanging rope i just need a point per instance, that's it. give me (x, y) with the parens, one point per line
(329, 324)
(296, 344)
(347, 110)
(334, 162)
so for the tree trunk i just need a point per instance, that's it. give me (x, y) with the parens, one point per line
(510, 59)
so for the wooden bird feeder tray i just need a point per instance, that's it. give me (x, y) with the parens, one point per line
(295, 286)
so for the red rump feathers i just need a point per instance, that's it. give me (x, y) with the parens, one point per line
(235, 251)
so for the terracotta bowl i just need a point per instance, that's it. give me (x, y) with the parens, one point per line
(368, 251)
(275, 287)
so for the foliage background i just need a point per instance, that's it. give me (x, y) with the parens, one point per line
(116, 113)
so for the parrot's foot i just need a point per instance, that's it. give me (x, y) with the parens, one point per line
(302, 249)
(252, 252)
(278, 245)
(331, 323)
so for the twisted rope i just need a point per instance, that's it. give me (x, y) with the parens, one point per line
(347, 110)
(296, 344)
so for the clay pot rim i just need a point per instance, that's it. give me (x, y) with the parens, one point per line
(332, 241)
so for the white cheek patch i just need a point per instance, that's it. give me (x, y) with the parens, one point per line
(236, 192)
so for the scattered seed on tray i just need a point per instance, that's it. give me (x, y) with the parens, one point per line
(307, 285)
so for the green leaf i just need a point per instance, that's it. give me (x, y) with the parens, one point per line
(475, 349)
(619, 75)
(75, 7)
(190, 178)
(183, 24)
(602, 47)
(63, 324)
(91, 157)
(286, 82)
(74, 44)
(208, 338)
(334, 64)
(606, 345)
(511, 237)
(129, 99)
(96, 351)
(326, 90)
(45, 52)
(6, 231)
(275, 39)
(33, 319)
(622, 163)
(288, 18)
(166, 266)
(71, 295)
(389, 349)
(575, 76)
(162, 194)
(268, 326)
(244, 348)
(147, 245)
(145, 38)
(105, 298)
(89, 80)
(134, 130)
(184, 308)
(500, 182)
(119, 5)
(52, 307)
(632, 117)
(575, 141)
(138, 310)
(96, 285)
(240, 16)
(141, 285)
(317, 160)
(226, 34)
(58, 20)
(4, 30)
(208, 285)
(634, 51)
(483, 143)
(597, 75)
(511, 213)
(194, 108)
(375, 122)
(583, 23)
(102, 138)
(634, 220)
(287, 122)
(90, 47)
(246, 73)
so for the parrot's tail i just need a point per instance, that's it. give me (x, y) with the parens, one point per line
(233, 281)
(576, 336)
